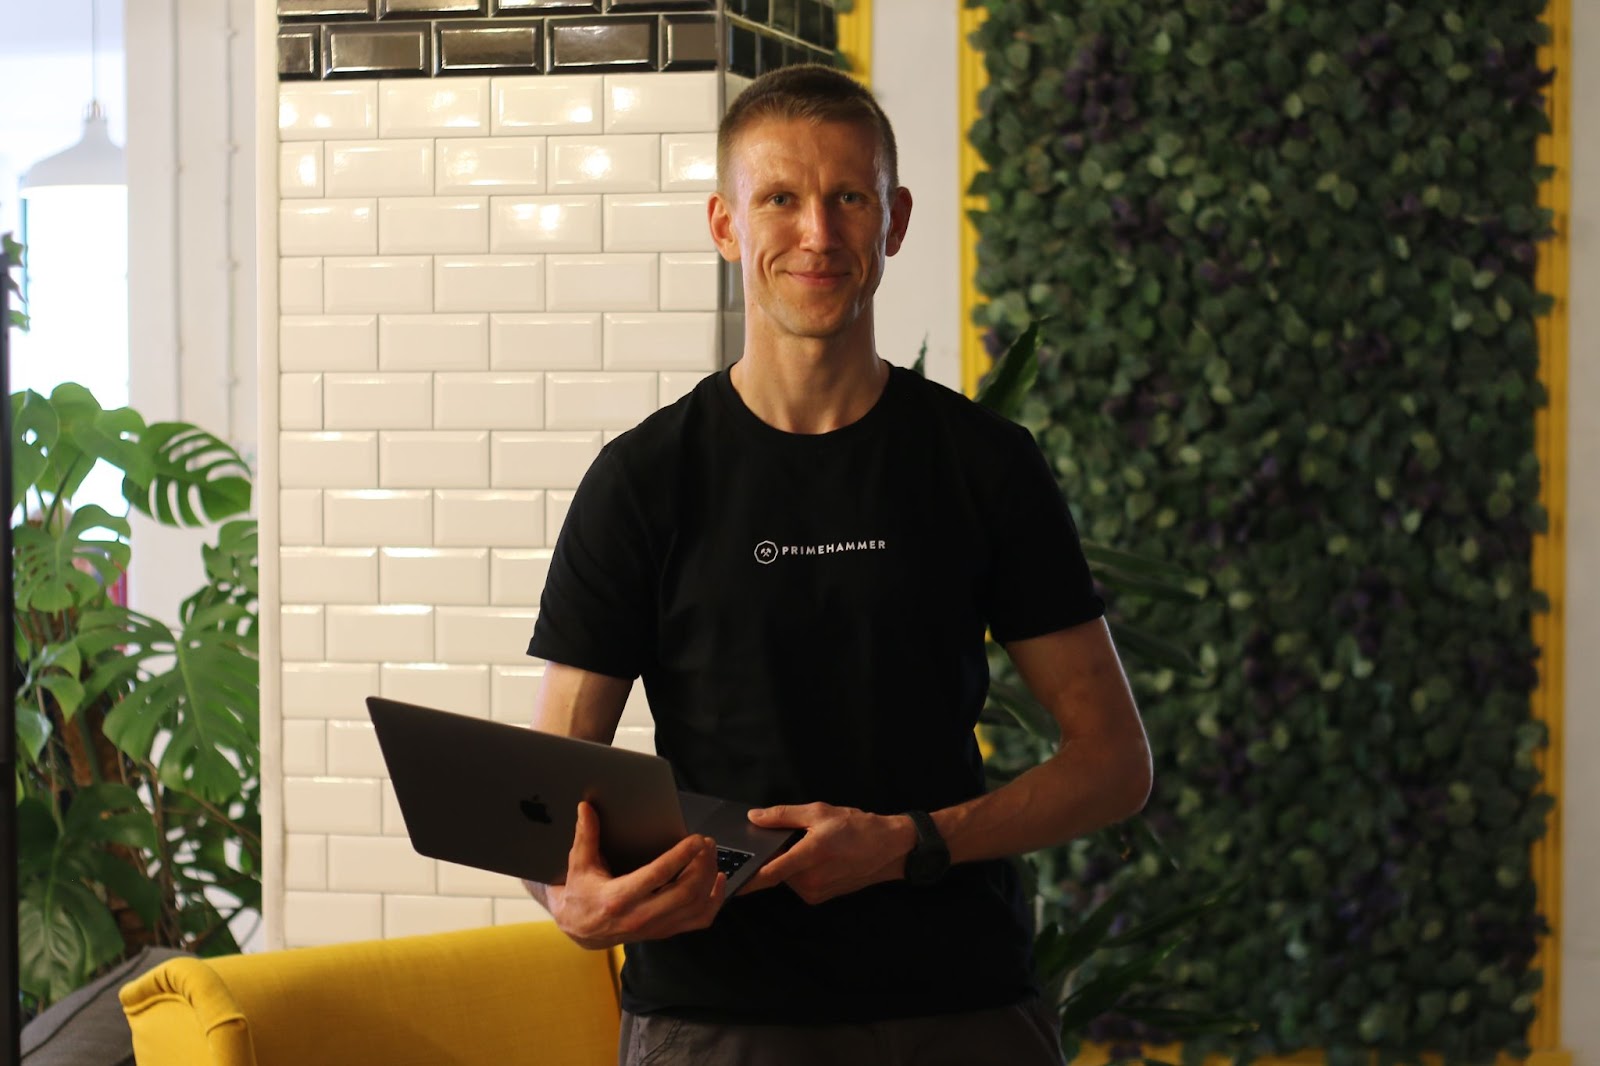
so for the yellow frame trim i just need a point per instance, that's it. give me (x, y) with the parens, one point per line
(1550, 433)
(855, 40)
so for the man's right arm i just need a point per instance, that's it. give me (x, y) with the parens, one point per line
(677, 892)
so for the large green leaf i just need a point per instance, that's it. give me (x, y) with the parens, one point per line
(188, 466)
(1013, 375)
(1019, 708)
(89, 434)
(72, 567)
(64, 933)
(1066, 951)
(1153, 650)
(1173, 920)
(1188, 1023)
(108, 813)
(1101, 994)
(34, 431)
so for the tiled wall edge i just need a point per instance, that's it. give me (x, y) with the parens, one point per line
(267, 502)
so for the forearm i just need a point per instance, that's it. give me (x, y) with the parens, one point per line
(1083, 787)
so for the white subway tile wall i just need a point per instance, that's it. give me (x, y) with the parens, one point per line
(481, 281)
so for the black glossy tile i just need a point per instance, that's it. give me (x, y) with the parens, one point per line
(324, 9)
(771, 54)
(623, 43)
(504, 46)
(297, 52)
(744, 47)
(754, 10)
(661, 5)
(398, 50)
(830, 29)
(785, 16)
(388, 9)
(688, 42)
(541, 7)
(810, 25)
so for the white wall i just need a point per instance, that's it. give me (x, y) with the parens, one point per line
(914, 45)
(1580, 933)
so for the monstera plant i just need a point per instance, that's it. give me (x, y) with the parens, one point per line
(137, 739)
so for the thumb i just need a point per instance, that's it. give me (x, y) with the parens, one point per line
(585, 852)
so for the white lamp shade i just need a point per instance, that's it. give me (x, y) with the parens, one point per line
(94, 160)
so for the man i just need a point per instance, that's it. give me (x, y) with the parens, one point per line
(801, 558)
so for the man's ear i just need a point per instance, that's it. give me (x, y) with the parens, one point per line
(899, 219)
(721, 221)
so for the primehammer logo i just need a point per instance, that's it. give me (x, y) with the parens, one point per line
(767, 552)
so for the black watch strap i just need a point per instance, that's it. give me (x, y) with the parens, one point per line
(929, 857)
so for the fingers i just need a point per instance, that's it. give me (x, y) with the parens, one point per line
(798, 858)
(787, 816)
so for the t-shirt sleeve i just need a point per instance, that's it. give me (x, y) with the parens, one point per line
(1040, 581)
(598, 608)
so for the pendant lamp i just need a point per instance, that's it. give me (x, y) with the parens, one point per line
(95, 159)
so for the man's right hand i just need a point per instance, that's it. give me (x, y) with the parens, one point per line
(678, 892)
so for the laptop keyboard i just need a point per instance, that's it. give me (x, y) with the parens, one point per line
(730, 859)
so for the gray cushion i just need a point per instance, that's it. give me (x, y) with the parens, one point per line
(88, 1028)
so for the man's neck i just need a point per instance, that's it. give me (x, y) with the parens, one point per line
(804, 385)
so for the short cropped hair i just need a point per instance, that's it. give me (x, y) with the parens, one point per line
(812, 92)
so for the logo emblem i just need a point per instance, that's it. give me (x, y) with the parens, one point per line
(766, 552)
(535, 810)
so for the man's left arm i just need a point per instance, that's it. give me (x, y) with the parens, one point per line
(1099, 775)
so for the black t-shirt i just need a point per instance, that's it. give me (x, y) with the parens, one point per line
(808, 614)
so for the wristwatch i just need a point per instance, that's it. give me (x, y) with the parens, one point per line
(929, 857)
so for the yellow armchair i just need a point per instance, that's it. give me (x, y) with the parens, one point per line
(502, 996)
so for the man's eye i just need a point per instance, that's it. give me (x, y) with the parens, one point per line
(781, 199)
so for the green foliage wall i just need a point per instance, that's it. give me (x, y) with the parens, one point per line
(1286, 251)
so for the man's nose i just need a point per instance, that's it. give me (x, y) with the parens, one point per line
(818, 226)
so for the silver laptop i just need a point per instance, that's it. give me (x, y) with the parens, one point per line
(504, 798)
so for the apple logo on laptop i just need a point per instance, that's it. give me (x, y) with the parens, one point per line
(535, 810)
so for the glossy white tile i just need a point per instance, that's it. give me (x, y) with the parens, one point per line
(556, 504)
(635, 738)
(545, 342)
(300, 517)
(305, 862)
(331, 805)
(544, 224)
(489, 283)
(377, 401)
(327, 460)
(661, 103)
(423, 915)
(732, 337)
(604, 164)
(488, 401)
(378, 516)
(433, 225)
(624, 282)
(688, 162)
(327, 690)
(300, 635)
(433, 459)
(320, 111)
(689, 281)
(661, 340)
(380, 168)
(433, 107)
(513, 689)
(493, 519)
(676, 384)
(618, 400)
(314, 919)
(353, 750)
(327, 342)
(542, 460)
(396, 284)
(300, 170)
(519, 911)
(377, 864)
(433, 342)
(498, 165)
(517, 576)
(484, 634)
(657, 222)
(328, 575)
(393, 633)
(463, 689)
(300, 286)
(434, 575)
(569, 103)
(300, 401)
(394, 823)
(305, 747)
(465, 881)
(327, 227)
(636, 711)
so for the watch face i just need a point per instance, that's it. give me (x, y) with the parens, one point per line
(926, 865)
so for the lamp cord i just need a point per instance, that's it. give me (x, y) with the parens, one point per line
(94, 51)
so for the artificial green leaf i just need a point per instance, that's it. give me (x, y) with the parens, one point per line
(1105, 991)
(1013, 375)
(64, 933)
(1153, 650)
(188, 467)
(109, 813)
(1019, 706)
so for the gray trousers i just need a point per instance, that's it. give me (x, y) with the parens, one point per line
(1023, 1035)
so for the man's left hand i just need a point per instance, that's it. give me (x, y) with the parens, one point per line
(844, 849)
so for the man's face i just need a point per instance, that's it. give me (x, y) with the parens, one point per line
(806, 209)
